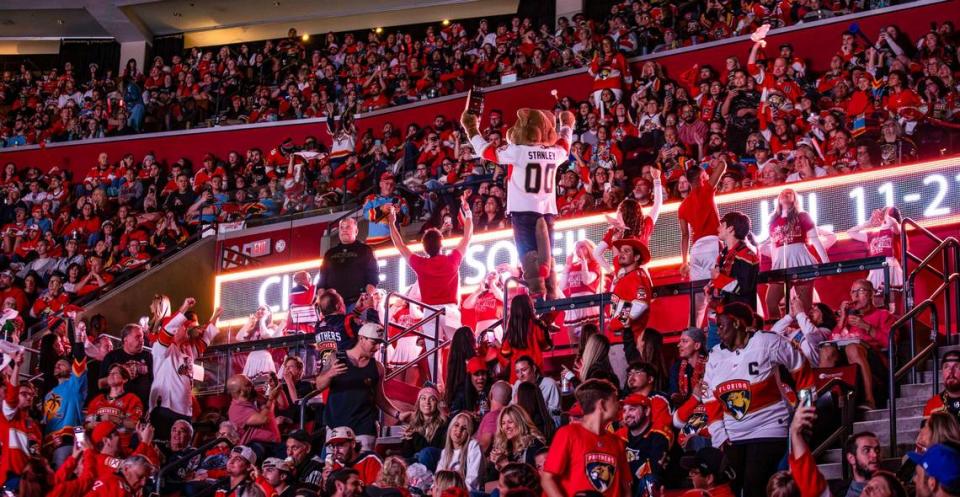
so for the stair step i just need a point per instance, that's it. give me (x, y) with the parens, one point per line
(916, 391)
(947, 348)
(907, 428)
(831, 471)
(904, 410)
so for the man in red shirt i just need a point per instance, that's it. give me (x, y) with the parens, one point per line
(20, 433)
(442, 271)
(949, 399)
(699, 223)
(585, 455)
(127, 481)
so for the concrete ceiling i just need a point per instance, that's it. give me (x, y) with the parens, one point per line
(48, 23)
(184, 16)
(208, 22)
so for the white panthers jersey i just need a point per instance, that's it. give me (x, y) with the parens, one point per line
(744, 383)
(531, 171)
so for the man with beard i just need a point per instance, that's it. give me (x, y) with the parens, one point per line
(63, 406)
(862, 452)
(691, 129)
(949, 399)
(646, 447)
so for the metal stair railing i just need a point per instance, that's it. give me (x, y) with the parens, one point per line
(693, 288)
(847, 402)
(930, 350)
(176, 463)
(433, 314)
(925, 264)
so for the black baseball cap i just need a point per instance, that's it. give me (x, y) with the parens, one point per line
(708, 461)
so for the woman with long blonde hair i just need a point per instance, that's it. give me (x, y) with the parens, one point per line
(393, 475)
(517, 438)
(791, 229)
(461, 452)
(582, 275)
(427, 429)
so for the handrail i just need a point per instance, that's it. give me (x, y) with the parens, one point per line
(303, 405)
(910, 315)
(423, 355)
(846, 424)
(186, 457)
(949, 242)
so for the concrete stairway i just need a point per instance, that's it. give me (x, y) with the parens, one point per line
(910, 403)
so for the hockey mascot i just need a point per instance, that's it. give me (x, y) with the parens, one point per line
(535, 151)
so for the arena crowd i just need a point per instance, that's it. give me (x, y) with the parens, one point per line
(621, 420)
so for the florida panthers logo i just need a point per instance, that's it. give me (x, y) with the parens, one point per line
(735, 395)
(601, 469)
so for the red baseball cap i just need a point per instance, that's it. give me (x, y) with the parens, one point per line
(636, 399)
(103, 430)
(476, 365)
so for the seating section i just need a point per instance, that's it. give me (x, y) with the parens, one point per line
(764, 118)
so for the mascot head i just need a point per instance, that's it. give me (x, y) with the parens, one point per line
(533, 127)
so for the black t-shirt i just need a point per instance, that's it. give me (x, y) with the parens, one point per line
(348, 269)
(180, 202)
(140, 382)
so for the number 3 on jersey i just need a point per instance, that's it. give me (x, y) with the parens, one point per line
(536, 178)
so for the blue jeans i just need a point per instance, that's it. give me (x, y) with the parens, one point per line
(525, 231)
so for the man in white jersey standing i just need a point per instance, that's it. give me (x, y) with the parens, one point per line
(534, 152)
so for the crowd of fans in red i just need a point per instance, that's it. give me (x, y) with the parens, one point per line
(769, 119)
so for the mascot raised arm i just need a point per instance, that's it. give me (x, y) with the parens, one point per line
(535, 151)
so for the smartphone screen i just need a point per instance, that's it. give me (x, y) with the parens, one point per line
(475, 101)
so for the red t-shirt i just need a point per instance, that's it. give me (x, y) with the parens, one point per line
(488, 307)
(884, 243)
(441, 274)
(781, 234)
(699, 210)
(586, 461)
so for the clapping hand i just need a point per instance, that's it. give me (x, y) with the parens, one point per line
(391, 214)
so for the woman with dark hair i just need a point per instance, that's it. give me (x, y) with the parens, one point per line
(631, 223)
(526, 335)
(530, 398)
(463, 347)
(492, 217)
(812, 328)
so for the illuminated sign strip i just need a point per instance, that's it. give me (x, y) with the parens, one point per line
(928, 192)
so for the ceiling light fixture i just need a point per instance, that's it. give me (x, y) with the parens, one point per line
(378, 30)
(445, 22)
(305, 37)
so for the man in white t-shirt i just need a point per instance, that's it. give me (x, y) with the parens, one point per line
(180, 342)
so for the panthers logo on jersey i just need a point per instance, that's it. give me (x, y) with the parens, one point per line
(601, 469)
(51, 407)
(735, 395)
